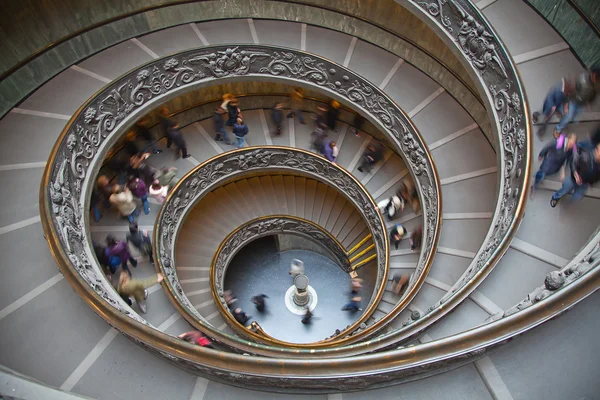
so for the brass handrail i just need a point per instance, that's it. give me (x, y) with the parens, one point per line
(359, 244)
(268, 158)
(83, 140)
(362, 252)
(363, 262)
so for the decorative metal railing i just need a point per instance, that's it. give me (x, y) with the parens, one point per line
(93, 129)
(234, 165)
(96, 126)
(252, 230)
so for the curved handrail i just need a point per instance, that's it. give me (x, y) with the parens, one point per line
(97, 124)
(252, 230)
(232, 165)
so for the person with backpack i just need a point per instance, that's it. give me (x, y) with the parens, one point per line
(585, 170)
(396, 235)
(554, 157)
(140, 240)
(240, 130)
(391, 206)
(117, 253)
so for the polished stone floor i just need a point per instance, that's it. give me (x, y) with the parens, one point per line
(259, 268)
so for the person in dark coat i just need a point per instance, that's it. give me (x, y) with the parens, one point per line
(240, 130)
(117, 253)
(140, 240)
(259, 301)
(396, 235)
(354, 304)
(307, 316)
(553, 156)
(277, 117)
(175, 136)
(585, 170)
(142, 131)
(333, 114)
(240, 316)
(357, 124)
(219, 125)
(371, 156)
(166, 122)
(233, 111)
(415, 238)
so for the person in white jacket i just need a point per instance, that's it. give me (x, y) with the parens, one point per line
(391, 206)
(158, 192)
(122, 199)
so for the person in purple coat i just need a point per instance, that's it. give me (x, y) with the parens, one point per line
(330, 151)
(139, 190)
(117, 253)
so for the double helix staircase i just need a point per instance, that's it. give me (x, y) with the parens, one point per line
(81, 353)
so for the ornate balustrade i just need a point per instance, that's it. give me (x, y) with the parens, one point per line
(240, 163)
(255, 229)
(96, 126)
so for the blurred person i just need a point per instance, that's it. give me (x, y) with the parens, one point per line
(230, 299)
(357, 124)
(391, 206)
(277, 117)
(554, 157)
(197, 338)
(233, 112)
(137, 288)
(584, 94)
(158, 192)
(307, 316)
(117, 253)
(240, 316)
(166, 122)
(166, 176)
(219, 126)
(317, 139)
(122, 199)
(415, 238)
(175, 136)
(396, 235)
(330, 150)
(399, 283)
(139, 190)
(297, 100)
(370, 157)
(141, 129)
(140, 240)
(332, 114)
(240, 130)
(354, 304)
(585, 170)
(296, 268)
(554, 103)
(259, 302)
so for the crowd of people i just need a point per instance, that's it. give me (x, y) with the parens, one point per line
(577, 161)
(135, 182)
(128, 192)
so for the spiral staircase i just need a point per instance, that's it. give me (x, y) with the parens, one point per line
(454, 335)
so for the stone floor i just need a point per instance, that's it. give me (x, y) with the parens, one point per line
(260, 268)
